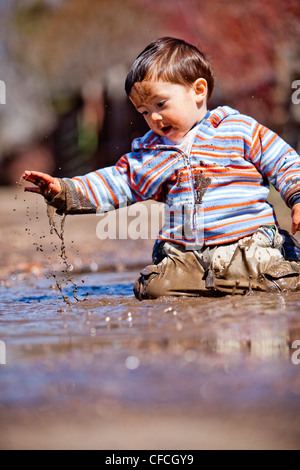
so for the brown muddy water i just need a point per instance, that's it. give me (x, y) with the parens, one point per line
(87, 366)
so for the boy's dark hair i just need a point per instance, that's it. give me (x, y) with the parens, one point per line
(173, 60)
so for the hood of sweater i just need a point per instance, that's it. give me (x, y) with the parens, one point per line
(151, 140)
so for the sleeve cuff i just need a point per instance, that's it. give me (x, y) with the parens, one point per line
(295, 199)
(59, 201)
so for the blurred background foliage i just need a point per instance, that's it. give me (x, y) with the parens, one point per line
(64, 63)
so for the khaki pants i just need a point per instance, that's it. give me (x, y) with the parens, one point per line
(252, 263)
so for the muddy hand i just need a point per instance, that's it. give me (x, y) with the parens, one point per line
(295, 218)
(46, 185)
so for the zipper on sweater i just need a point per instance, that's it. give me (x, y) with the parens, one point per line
(186, 156)
(188, 166)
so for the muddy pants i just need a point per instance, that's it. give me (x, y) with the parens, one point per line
(268, 260)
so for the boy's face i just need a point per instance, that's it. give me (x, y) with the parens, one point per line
(170, 110)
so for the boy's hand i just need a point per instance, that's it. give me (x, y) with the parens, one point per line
(46, 185)
(295, 218)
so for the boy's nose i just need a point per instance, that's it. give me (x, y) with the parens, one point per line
(156, 117)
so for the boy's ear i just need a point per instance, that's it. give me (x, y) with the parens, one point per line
(200, 88)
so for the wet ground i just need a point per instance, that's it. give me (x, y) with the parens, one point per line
(109, 372)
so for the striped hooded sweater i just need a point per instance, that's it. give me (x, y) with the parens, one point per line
(214, 193)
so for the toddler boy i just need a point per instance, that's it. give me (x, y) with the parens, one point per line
(211, 169)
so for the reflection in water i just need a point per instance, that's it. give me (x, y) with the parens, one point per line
(262, 343)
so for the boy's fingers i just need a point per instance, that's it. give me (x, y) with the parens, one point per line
(295, 218)
(45, 184)
(35, 173)
(295, 228)
(32, 179)
(32, 189)
(37, 177)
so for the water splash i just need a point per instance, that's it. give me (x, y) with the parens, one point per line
(59, 231)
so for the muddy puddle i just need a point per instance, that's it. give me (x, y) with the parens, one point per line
(225, 351)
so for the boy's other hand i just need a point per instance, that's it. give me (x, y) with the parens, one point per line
(295, 218)
(46, 185)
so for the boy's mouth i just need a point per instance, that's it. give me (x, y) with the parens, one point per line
(166, 129)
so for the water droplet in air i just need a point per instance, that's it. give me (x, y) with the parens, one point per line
(132, 362)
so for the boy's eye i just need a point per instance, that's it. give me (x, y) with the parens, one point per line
(160, 104)
(144, 113)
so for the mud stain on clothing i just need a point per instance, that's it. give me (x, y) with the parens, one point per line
(201, 184)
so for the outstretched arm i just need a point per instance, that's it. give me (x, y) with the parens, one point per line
(46, 185)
